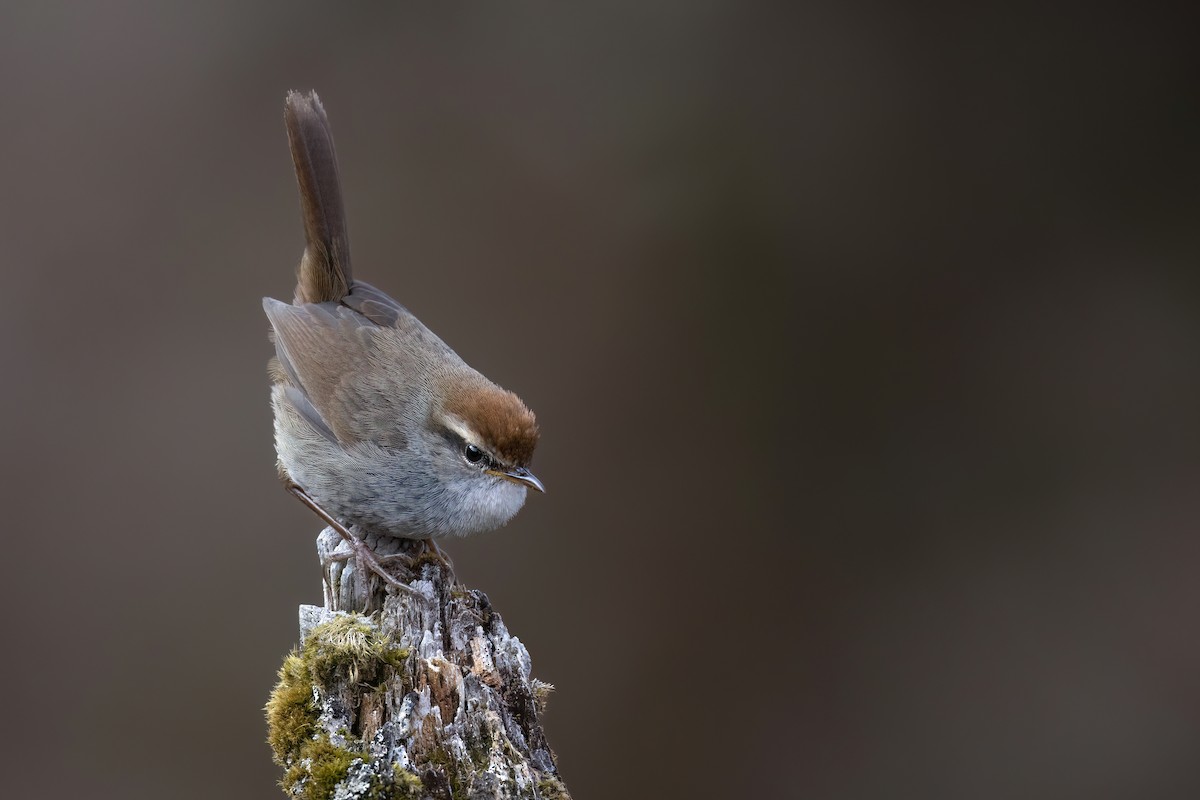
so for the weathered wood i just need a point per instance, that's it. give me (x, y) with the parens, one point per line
(429, 696)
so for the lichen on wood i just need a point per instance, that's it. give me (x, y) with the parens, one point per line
(428, 696)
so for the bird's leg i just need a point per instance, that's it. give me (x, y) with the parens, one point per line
(427, 551)
(363, 555)
(367, 585)
(438, 555)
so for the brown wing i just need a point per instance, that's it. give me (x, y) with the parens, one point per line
(384, 311)
(353, 379)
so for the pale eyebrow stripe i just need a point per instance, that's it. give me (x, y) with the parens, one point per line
(462, 429)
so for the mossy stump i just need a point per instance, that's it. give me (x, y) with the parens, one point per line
(429, 696)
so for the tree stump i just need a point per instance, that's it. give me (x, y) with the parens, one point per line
(426, 696)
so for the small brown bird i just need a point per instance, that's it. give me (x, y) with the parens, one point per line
(378, 423)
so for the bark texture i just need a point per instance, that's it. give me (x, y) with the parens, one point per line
(427, 696)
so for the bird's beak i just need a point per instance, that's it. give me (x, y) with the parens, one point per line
(520, 475)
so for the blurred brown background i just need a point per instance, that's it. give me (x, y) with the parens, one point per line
(863, 340)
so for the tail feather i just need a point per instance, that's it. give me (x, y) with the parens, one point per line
(324, 272)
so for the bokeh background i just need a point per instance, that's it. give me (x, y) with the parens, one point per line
(864, 340)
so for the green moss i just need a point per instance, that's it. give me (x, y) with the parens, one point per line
(429, 557)
(406, 784)
(541, 695)
(291, 713)
(441, 759)
(344, 649)
(321, 767)
(347, 647)
(551, 788)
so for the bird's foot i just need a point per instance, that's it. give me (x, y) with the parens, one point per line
(364, 557)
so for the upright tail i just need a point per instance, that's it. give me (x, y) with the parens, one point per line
(324, 272)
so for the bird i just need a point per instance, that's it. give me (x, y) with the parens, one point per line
(379, 425)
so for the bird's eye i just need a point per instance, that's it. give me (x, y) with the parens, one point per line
(472, 454)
